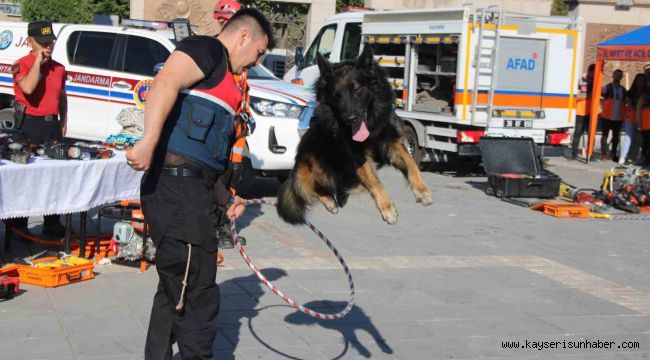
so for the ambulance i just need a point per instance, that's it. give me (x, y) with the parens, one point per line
(110, 68)
(463, 73)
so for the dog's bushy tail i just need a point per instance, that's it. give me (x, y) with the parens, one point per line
(291, 206)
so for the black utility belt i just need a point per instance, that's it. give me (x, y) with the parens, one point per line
(190, 172)
(42, 118)
(182, 172)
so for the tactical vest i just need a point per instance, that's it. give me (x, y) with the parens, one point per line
(204, 123)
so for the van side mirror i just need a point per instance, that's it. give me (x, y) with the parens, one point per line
(299, 59)
(157, 68)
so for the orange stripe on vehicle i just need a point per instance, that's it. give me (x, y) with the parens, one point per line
(532, 101)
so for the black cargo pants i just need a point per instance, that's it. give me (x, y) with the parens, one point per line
(195, 327)
(182, 208)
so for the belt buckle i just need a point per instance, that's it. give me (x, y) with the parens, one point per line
(48, 117)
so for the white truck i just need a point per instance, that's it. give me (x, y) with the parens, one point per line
(110, 68)
(463, 73)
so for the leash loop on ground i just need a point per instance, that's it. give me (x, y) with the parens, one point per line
(277, 291)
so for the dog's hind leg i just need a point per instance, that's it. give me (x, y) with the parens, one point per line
(322, 186)
(400, 158)
(342, 198)
(329, 203)
(369, 180)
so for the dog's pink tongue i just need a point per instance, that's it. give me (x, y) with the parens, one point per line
(361, 132)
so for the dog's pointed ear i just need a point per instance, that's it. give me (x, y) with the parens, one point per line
(366, 58)
(324, 65)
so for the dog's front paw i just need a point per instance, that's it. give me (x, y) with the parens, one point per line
(389, 215)
(425, 198)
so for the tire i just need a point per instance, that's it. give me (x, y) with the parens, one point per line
(6, 117)
(412, 145)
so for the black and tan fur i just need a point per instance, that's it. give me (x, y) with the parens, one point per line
(329, 163)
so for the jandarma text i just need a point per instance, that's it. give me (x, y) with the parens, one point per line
(569, 344)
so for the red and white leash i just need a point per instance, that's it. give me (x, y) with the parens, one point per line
(277, 291)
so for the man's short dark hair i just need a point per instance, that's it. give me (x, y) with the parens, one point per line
(248, 15)
(592, 67)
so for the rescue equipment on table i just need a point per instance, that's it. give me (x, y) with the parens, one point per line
(132, 121)
(16, 152)
(76, 151)
(121, 141)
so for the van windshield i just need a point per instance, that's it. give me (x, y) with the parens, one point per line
(259, 72)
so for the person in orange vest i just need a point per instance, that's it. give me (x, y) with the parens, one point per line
(612, 114)
(223, 11)
(583, 109)
(632, 98)
(643, 124)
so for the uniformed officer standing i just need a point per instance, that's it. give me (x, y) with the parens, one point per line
(223, 11)
(39, 88)
(189, 130)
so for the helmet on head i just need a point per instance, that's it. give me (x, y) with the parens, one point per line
(225, 9)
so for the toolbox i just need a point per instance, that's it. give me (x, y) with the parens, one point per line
(52, 271)
(515, 170)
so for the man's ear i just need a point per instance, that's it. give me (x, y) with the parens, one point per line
(244, 35)
(324, 65)
(366, 58)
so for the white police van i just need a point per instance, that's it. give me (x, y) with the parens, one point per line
(110, 68)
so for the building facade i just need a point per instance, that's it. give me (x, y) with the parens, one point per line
(199, 12)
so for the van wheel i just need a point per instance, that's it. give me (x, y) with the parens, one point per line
(7, 118)
(411, 143)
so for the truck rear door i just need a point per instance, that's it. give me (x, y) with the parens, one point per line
(520, 76)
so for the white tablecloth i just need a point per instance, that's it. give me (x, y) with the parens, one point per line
(45, 187)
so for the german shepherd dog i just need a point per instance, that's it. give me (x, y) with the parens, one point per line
(354, 130)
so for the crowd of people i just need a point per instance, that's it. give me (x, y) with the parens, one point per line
(624, 113)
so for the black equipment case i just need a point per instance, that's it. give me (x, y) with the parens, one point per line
(515, 170)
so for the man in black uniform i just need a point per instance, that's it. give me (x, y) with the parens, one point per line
(189, 130)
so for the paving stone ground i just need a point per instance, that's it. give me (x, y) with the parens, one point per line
(470, 277)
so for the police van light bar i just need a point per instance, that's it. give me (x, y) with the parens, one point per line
(182, 29)
(145, 24)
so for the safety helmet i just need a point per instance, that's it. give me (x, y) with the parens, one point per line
(225, 9)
